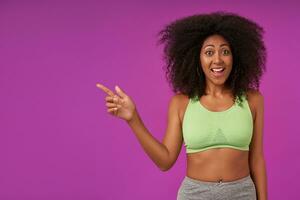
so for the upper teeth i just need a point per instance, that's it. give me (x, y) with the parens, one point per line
(217, 69)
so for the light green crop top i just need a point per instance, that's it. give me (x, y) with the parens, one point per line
(204, 129)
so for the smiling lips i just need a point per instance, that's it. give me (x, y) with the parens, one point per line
(218, 71)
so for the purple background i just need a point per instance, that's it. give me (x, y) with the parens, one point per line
(58, 142)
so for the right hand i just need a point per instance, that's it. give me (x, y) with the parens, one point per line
(120, 104)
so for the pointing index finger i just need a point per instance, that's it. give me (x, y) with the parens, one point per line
(105, 89)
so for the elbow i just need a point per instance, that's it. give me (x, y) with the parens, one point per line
(166, 163)
(165, 168)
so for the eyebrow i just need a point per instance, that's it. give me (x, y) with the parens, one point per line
(214, 45)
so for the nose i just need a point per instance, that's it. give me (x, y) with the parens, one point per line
(217, 58)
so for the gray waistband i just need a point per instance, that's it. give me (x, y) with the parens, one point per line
(209, 182)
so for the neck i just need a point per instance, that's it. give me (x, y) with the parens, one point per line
(217, 90)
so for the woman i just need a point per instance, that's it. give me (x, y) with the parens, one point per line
(214, 64)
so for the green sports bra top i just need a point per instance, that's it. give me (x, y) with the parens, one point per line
(204, 129)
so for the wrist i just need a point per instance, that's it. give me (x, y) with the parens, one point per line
(134, 118)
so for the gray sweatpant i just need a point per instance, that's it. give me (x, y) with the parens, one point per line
(193, 189)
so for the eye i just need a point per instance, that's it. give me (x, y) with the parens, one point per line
(209, 53)
(226, 52)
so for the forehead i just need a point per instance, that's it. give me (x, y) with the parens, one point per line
(215, 40)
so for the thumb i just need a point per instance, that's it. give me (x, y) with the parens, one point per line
(120, 92)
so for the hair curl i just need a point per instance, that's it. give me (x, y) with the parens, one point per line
(183, 39)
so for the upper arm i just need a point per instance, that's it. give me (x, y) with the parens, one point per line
(256, 145)
(173, 136)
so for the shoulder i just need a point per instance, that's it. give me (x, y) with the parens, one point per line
(256, 100)
(179, 102)
(255, 96)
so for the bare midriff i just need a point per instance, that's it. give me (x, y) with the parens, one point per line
(219, 164)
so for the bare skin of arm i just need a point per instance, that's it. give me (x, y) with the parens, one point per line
(163, 154)
(256, 155)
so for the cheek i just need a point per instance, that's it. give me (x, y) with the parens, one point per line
(204, 62)
(228, 60)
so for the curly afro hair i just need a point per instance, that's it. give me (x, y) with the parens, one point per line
(183, 39)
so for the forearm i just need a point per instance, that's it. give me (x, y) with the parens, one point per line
(259, 176)
(154, 149)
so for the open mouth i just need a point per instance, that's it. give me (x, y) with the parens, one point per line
(218, 71)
